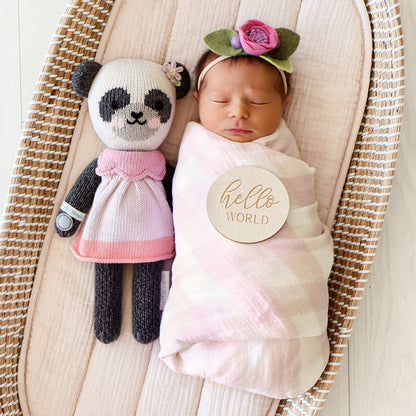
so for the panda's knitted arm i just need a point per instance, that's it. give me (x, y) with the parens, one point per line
(78, 201)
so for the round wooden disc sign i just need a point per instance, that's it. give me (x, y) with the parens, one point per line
(247, 204)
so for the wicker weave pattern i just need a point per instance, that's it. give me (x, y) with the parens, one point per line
(43, 150)
(45, 143)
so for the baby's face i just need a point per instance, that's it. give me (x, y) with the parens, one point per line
(241, 101)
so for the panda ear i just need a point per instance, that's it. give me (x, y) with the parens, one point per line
(83, 77)
(185, 84)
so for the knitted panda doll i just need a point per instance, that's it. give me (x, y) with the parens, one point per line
(124, 191)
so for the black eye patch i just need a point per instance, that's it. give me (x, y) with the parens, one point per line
(113, 100)
(158, 100)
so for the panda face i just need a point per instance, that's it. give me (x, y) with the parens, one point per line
(131, 105)
(133, 121)
(119, 99)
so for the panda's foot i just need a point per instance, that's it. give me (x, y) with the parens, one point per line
(146, 301)
(107, 308)
(106, 333)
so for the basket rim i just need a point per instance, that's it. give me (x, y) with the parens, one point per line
(361, 211)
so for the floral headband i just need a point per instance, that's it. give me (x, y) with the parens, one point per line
(257, 39)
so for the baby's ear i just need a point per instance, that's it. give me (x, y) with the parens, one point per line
(83, 77)
(185, 85)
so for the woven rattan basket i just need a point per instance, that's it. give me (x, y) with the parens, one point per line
(45, 143)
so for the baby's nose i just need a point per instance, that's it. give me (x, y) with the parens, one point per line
(239, 109)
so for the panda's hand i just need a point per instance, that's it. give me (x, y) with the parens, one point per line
(68, 220)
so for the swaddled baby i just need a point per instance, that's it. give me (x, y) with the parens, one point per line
(247, 315)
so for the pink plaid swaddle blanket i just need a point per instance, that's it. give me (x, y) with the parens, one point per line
(251, 316)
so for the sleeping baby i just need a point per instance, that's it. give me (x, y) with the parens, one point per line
(247, 313)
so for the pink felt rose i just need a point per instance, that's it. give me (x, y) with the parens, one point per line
(257, 38)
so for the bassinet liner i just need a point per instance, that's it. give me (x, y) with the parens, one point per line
(44, 148)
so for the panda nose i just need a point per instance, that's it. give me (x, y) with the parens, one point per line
(136, 115)
(136, 118)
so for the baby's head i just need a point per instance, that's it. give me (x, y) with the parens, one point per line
(242, 95)
(241, 98)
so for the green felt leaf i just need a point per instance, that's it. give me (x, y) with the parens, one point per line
(220, 42)
(289, 42)
(283, 64)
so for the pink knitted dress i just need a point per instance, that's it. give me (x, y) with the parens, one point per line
(130, 220)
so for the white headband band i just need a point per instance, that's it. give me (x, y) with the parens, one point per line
(222, 58)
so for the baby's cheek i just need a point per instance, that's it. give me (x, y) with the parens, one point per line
(153, 123)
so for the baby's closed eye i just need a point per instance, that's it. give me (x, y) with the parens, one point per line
(259, 101)
(220, 100)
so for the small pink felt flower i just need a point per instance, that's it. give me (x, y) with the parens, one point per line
(257, 38)
(173, 73)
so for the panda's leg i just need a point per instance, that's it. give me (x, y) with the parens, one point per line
(146, 301)
(107, 307)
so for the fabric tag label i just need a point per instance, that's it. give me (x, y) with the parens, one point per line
(164, 288)
(73, 212)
